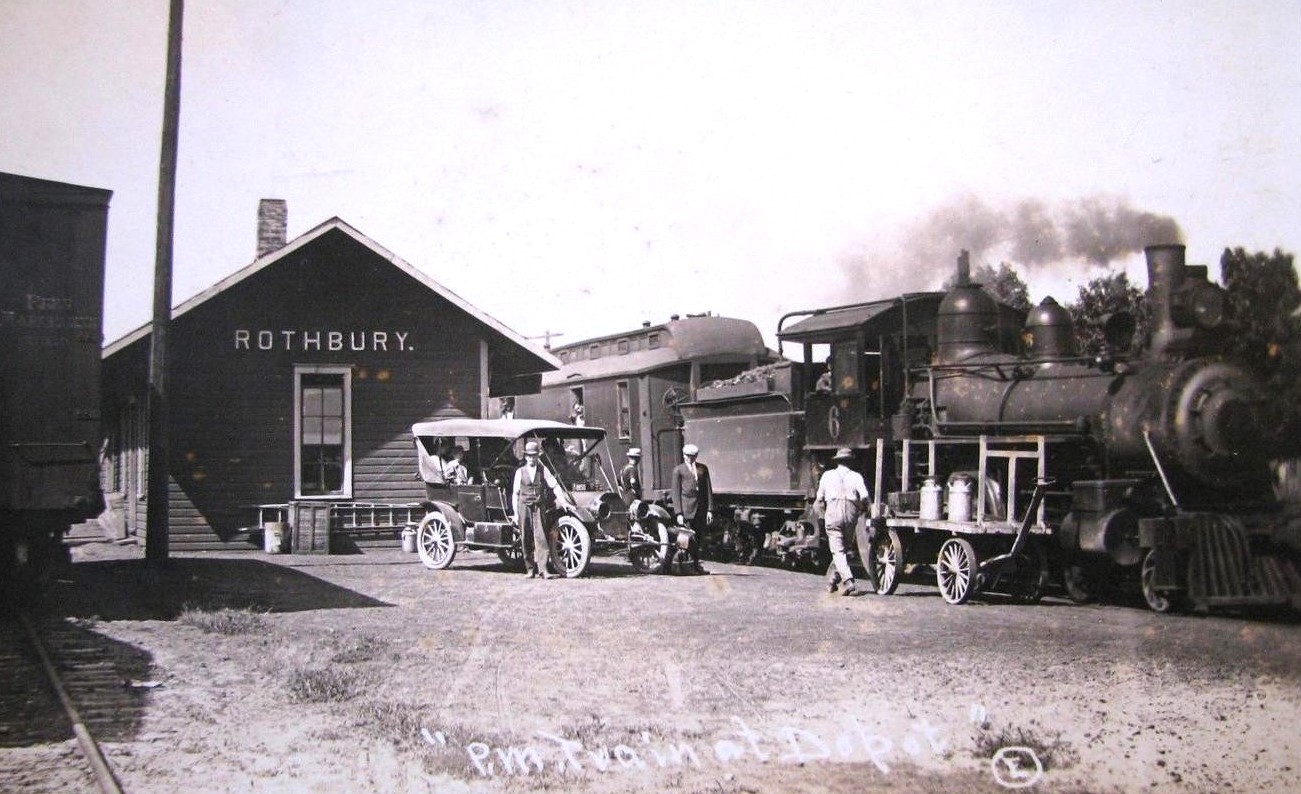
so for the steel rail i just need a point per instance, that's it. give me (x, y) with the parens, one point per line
(89, 747)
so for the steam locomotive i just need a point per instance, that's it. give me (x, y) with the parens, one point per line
(52, 240)
(1001, 456)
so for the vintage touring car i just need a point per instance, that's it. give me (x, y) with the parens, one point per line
(474, 510)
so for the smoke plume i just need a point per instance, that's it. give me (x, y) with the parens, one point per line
(1026, 234)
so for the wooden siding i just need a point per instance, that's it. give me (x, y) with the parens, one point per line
(410, 352)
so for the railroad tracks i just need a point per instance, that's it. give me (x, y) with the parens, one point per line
(60, 680)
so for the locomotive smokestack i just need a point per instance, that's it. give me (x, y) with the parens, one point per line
(1165, 274)
(272, 225)
(964, 269)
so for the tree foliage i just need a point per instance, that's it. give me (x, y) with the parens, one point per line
(1098, 300)
(1002, 282)
(1264, 306)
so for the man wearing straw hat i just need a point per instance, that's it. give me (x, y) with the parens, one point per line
(841, 497)
(693, 501)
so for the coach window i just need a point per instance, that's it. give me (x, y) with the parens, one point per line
(653, 341)
(594, 352)
(625, 410)
(623, 347)
(323, 431)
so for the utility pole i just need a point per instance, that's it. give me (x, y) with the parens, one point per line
(156, 520)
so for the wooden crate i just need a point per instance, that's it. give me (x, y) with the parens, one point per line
(310, 527)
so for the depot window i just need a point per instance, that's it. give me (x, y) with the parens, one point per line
(323, 432)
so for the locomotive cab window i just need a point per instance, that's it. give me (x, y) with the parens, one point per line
(323, 432)
(846, 375)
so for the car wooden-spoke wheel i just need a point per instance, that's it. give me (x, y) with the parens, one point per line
(886, 561)
(956, 570)
(512, 558)
(434, 541)
(573, 546)
(648, 557)
(1162, 601)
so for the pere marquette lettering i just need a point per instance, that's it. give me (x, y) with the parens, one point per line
(322, 340)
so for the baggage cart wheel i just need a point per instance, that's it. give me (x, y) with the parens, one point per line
(957, 571)
(1031, 578)
(886, 559)
(434, 541)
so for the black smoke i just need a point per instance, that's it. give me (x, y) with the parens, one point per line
(1027, 234)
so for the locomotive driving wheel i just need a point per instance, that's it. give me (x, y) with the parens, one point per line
(1162, 600)
(957, 571)
(573, 546)
(1079, 583)
(886, 559)
(434, 541)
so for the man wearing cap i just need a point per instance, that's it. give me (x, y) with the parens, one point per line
(630, 477)
(693, 501)
(535, 492)
(842, 494)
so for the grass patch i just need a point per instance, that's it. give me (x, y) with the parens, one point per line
(359, 648)
(330, 684)
(1053, 752)
(223, 621)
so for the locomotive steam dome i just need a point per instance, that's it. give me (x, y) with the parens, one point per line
(966, 319)
(1049, 332)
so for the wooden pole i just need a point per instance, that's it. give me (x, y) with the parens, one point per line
(156, 528)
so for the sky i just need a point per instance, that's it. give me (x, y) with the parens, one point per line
(577, 168)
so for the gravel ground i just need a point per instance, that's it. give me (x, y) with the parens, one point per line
(369, 673)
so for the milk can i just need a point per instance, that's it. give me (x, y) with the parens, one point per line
(930, 506)
(959, 498)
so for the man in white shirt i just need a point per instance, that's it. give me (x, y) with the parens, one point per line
(842, 495)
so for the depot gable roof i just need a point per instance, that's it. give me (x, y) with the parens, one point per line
(338, 225)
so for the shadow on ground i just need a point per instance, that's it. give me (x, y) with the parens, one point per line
(138, 590)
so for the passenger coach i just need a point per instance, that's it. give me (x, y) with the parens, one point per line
(632, 383)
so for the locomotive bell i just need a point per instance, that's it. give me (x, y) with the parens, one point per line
(1049, 332)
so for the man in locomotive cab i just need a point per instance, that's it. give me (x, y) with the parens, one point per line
(535, 492)
(693, 502)
(824, 380)
(841, 497)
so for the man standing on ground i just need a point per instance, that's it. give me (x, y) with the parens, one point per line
(842, 495)
(535, 492)
(693, 501)
(630, 478)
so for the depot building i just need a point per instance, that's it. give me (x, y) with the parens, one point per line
(292, 386)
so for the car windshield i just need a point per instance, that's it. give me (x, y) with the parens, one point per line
(579, 461)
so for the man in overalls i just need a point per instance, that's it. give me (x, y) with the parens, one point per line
(535, 492)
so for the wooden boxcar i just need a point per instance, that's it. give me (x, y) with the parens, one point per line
(52, 241)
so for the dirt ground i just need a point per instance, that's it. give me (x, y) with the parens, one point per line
(369, 673)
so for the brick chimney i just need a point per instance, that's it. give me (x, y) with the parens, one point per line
(272, 223)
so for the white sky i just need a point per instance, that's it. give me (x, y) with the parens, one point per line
(579, 167)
